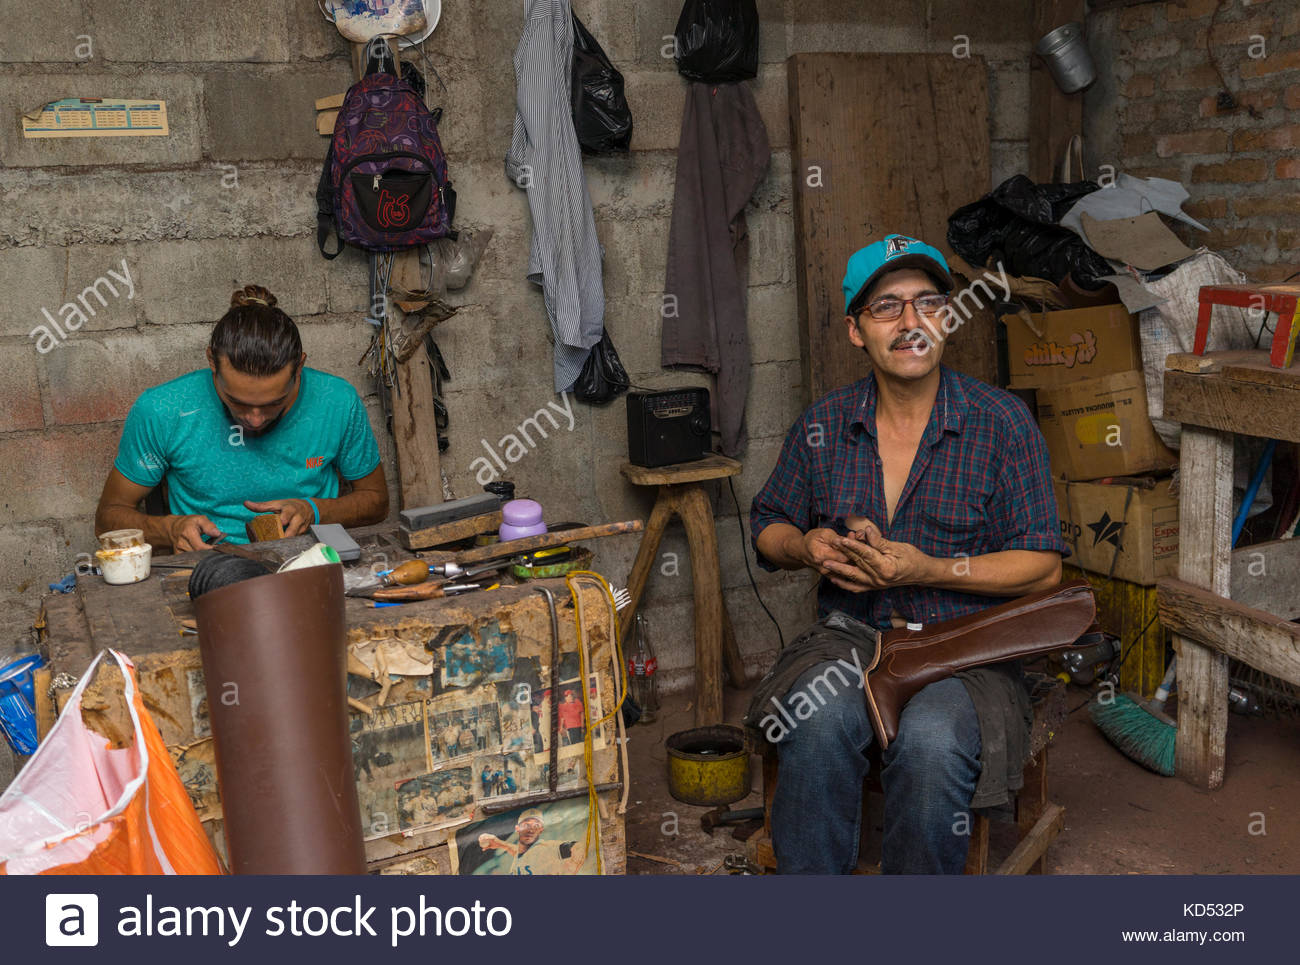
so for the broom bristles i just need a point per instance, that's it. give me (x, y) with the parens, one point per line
(1137, 732)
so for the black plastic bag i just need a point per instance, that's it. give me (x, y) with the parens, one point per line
(1017, 224)
(600, 112)
(603, 377)
(717, 41)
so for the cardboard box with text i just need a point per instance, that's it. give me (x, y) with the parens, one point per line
(1131, 529)
(1100, 427)
(1056, 348)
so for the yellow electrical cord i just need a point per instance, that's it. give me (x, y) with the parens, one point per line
(587, 754)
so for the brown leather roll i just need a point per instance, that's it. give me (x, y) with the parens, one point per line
(274, 659)
(907, 660)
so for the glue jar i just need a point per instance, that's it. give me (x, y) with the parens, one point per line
(124, 556)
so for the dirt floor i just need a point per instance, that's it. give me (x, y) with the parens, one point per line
(1119, 817)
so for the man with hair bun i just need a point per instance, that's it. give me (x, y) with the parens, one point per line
(255, 432)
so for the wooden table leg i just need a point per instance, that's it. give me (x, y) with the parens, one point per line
(697, 516)
(1032, 801)
(1204, 560)
(731, 658)
(647, 551)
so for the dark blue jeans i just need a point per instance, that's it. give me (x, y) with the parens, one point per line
(929, 774)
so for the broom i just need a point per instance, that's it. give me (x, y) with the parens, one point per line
(1140, 728)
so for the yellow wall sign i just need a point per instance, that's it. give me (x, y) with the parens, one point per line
(97, 117)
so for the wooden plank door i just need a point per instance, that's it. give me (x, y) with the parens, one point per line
(880, 143)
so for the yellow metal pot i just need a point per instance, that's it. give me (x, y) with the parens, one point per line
(708, 766)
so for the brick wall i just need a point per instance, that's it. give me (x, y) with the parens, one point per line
(240, 85)
(1155, 112)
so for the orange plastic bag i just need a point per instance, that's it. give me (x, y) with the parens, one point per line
(81, 806)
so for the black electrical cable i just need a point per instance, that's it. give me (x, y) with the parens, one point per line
(745, 552)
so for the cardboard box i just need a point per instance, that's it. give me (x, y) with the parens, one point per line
(1057, 348)
(1135, 529)
(1100, 427)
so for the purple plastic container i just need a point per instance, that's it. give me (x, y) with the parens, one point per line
(520, 518)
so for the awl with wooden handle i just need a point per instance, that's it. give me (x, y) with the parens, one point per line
(432, 590)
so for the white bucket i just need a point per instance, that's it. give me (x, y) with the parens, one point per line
(127, 565)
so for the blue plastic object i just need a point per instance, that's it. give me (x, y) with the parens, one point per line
(65, 585)
(18, 704)
(1248, 500)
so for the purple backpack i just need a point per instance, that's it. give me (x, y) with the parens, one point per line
(384, 184)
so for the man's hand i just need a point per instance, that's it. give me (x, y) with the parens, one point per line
(819, 551)
(296, 515)
(187, 532)
(881, 562)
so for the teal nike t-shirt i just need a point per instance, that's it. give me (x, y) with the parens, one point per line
(180, 430)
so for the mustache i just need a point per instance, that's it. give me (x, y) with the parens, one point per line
(917, 340)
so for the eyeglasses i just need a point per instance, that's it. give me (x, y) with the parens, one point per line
(888, 308)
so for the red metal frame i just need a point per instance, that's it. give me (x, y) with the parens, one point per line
(1281, 299)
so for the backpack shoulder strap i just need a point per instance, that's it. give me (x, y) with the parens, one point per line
(325, 207)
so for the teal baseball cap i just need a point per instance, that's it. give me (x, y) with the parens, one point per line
(890, 254)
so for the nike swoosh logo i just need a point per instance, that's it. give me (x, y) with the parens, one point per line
(184, 414)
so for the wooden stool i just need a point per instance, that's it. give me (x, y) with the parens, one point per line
(680, 492)
(1038, 820)
(1281, 299)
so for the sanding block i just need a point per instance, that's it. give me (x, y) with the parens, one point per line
(333, 534)
(422, 517)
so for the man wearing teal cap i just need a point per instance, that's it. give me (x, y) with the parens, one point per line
(920, 495)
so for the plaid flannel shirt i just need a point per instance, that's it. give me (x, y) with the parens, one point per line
(979, 484)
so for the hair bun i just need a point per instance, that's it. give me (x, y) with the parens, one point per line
(252, 295)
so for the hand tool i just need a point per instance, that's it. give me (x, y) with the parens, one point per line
(407, 574)
(431, 590)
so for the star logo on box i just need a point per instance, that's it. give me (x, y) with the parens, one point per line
(1107, 530)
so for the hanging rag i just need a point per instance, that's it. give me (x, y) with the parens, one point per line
(721, 159)
(544, 159)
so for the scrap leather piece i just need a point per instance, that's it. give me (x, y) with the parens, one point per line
(274, 660)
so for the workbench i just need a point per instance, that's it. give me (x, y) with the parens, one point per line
(1225, 602)
(431, 732)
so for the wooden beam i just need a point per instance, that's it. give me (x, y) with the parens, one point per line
(1266, 576)
(1054, 117)
(1233, 405)
(1033, 846)
(415, 427)
(418, 539)
(1262, 640)
(1204, 559)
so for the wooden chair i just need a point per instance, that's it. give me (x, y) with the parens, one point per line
(1037, 819)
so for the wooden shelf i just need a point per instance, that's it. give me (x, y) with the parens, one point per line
(1233, 392)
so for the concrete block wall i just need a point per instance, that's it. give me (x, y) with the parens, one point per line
(1155, 112)
(227, 200)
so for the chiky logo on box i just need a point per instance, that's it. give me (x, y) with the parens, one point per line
(1081, 349)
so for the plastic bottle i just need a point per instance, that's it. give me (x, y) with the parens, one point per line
(641, 668)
